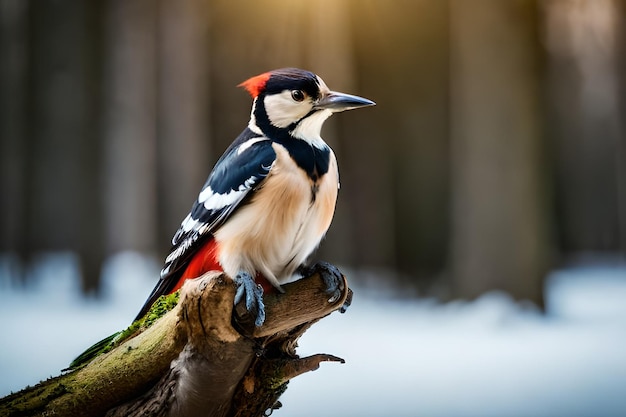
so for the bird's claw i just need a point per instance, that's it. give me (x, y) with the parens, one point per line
(252, 293)
(347, 303)
(333, 279)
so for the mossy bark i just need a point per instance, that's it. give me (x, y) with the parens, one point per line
(200, 359)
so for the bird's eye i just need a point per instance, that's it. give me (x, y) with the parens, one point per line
(297, 95)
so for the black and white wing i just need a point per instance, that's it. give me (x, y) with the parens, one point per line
(235, 177)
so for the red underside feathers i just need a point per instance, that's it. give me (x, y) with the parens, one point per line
(205, 260)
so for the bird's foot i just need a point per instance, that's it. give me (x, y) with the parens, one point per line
(333, 278)
(252, 293)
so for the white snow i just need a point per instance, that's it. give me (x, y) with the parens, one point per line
(408, 357)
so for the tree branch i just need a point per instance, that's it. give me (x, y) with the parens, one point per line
(202, 358)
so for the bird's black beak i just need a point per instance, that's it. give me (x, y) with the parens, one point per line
(336, 102)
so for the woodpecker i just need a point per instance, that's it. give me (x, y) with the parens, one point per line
(270, 198)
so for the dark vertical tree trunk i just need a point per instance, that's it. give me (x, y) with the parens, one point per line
(90, 217)
(584, 44)
(60, 171)
(620, 67)
(396, 170)
(328, 43)
(183, 107)
(13, 138)
(130, 128)
(500, 235)
(255, 43)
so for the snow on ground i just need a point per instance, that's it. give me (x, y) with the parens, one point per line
(490, 357)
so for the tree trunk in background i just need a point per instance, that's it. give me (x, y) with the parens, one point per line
(130, 128)
(396, 173)
(90, 217)
(500, 237)
(13, 139)
(329, 46)
(183, 106)
(584, 41)
(55, 107)
(256, 43)
(422, 154)
(620, 65)
(62, 204)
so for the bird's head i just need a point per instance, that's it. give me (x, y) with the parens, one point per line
(295, 102)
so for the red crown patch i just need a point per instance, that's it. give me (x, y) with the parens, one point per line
(255, 85)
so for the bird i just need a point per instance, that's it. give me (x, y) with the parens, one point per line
(270, 198)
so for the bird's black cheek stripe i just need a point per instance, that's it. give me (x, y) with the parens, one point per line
(295, 124)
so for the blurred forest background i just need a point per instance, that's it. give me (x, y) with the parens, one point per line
(497, 150)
